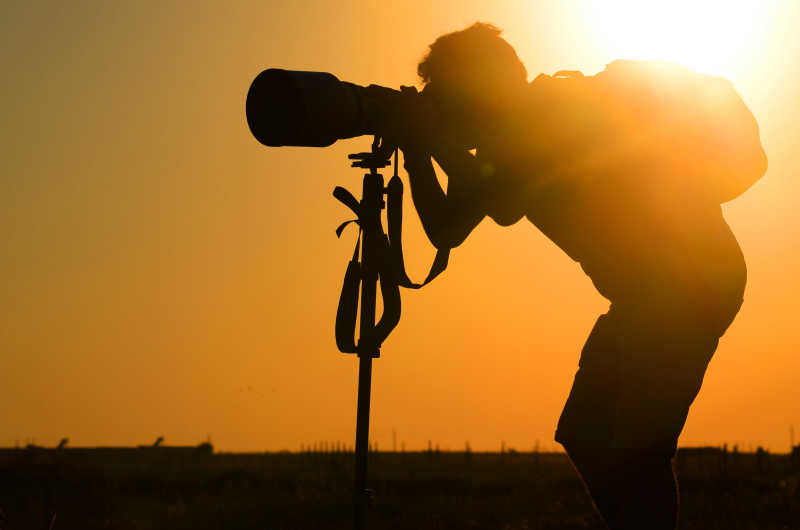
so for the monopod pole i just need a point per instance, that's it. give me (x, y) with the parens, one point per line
(372, 232)
(361, 495)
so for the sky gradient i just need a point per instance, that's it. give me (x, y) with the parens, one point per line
(151, 276)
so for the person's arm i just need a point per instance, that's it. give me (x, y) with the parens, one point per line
(447, 218)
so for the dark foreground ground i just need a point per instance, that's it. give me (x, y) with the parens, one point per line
(154, 488)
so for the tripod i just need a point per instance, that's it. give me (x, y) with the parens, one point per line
(378, 256)
(374, 249)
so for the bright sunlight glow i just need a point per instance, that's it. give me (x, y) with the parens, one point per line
(719, 37)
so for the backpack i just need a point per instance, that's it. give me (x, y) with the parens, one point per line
(647, 118)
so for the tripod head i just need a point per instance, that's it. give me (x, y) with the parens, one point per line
(378, 158)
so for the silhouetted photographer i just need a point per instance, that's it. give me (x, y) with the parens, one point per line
(625, 171)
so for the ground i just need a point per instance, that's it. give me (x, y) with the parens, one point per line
(153, 488)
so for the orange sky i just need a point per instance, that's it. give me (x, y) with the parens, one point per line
(151, 278)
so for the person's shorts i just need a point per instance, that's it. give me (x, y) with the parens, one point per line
(639, 372)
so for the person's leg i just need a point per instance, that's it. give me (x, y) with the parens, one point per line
(638, 375)
(630, 489)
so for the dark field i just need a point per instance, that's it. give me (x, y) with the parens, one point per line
(187, 488)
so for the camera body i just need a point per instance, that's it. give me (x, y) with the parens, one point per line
(314, 109)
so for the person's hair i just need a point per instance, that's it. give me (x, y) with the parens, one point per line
(470, 54)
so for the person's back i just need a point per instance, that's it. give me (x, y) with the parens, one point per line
(641, 222)
(632, 207)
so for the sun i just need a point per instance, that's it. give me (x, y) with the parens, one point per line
(710, 36)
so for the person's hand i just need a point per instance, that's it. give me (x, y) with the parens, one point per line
(411, 123)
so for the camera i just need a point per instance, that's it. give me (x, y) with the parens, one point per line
(314, 109)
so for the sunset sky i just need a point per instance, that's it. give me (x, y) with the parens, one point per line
(162, 273)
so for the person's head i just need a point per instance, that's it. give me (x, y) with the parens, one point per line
(472, 75)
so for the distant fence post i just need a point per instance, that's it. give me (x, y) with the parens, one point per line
(762, 459)
(724, 463)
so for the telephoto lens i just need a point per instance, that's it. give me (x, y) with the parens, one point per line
(313, 109)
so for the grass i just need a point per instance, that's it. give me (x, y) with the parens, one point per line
(153, 489)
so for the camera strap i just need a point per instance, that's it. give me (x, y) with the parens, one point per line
(394, 220)
(390, 268)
